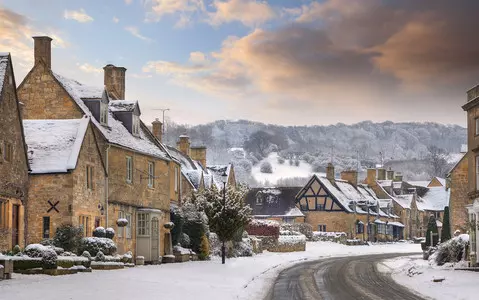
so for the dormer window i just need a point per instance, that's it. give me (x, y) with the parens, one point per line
(136, 125)
(103, 113)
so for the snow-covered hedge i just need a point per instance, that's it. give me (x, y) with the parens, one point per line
(266, 167)
(49, 259)
(122, 222)
(95, 244)
(304, 228)
(263, 228)
(290, 241)
(35, 250)
(182, 251)
(452, 250)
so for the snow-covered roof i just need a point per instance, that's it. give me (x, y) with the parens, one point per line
(398, 224)
(274, 202)
(123, 105)
(419, 183)
(115, 132)
(458, 161)
(404, 200)
(54, 145)
(435, 199)
(190, 169)
(217, 172)
(3, 68)
(385, 183)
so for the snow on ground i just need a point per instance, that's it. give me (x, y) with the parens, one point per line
(280, 171)
(245, 278)
(417, 274)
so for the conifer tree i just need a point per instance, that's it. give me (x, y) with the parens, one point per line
(432, 227)
(446, 227)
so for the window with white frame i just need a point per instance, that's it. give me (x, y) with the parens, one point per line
(128, 226)
(151, 174)
(129, 169)
(135, 125)
(121, 229)
(144, 224)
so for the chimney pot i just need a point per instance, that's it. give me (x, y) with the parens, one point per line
(43, 50)
(371, 177)
(114, 81)
(381, 174)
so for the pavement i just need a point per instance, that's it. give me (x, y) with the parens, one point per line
(342, 278)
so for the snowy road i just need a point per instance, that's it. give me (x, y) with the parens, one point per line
(346, 278)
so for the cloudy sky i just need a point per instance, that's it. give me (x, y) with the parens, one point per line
(291, 62)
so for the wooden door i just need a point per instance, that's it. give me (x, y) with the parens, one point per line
(15, 224)
(155, 239)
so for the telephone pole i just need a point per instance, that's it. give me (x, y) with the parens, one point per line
(163, 110)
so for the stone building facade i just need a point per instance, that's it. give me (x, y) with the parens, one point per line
(13, 161)
(140, 179)
(60, 192)
(457, 181)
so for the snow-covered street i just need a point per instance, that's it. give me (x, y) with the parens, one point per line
(241, 278)
(418, 274)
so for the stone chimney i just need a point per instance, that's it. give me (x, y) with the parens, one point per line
(184, 144)
(43, 50)
(390, 174)
(398, 177)
(199, 154)
(350, 176)
(371, 177)
(114, 81)
(381, 174)
(157, 127)
(330, 172)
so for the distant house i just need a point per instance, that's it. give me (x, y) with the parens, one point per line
(343, 205)
(13, 161)
(278, 203)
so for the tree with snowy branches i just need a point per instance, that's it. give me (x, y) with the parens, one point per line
(226, 216)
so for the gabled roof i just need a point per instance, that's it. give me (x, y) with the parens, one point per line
(435, 199)
(116, 133)
(419, 183)
(216, 173)
(457, 163)
(54, 145)
(275, 202)
(190, 169)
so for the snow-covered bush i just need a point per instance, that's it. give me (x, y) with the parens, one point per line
(86, 254)
(127, 257)
(49, 259)
(266, 167)
(263, 228)
(184, 240)
(16, 250)
(68, 237)
(95, 244)
(337, 237)
(109, 233)
(452, 250)
(296, 162)
(169, 225)
(99, 232)
(122, 222)
(242, 248)
(280, 160)
(35, 250)
(47, 242)
(100, 256)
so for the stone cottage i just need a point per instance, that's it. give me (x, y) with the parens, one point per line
(13, 161)
(67, 178)
(141, 179)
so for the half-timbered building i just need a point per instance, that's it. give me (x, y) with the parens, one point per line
(343, 205)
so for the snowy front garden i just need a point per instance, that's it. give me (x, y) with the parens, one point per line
(244, 278)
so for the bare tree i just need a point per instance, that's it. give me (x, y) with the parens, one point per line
(437, 157)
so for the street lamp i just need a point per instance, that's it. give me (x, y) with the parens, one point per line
(224, 177)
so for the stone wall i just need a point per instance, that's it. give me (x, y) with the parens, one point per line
(14, 171)
(458, 197)
(44, 98)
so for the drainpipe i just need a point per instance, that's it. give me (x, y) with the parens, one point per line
(106, 186)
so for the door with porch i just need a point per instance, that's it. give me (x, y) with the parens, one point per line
(15, 224)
